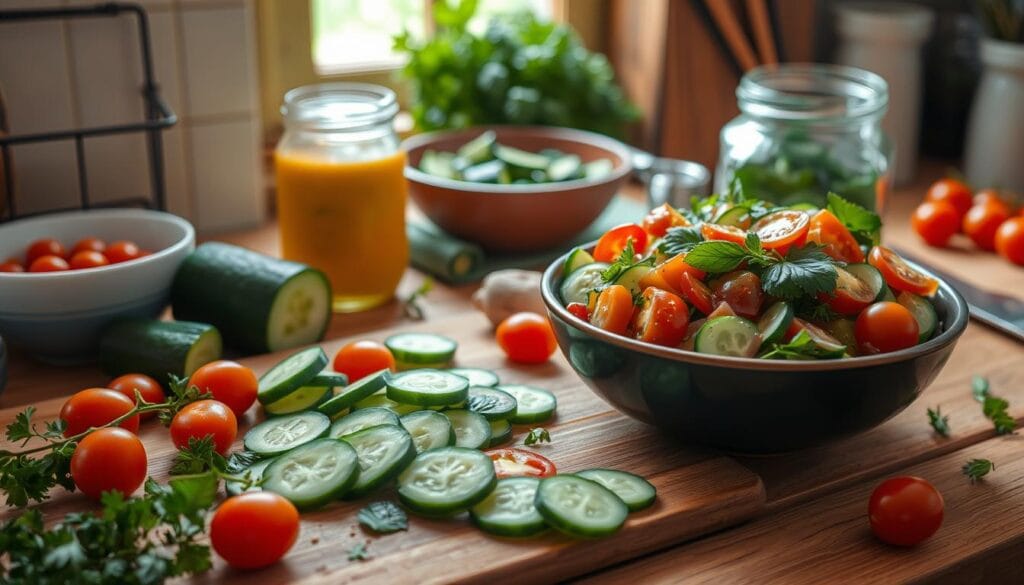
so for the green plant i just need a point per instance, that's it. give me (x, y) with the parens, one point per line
(519, 71)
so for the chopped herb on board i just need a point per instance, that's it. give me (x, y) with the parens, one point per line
(939, 421)
(976, 469)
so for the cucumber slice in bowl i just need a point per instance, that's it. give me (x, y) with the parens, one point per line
(362, 419)
(773, 323)
(631, 277)
(300, 399)
(636, 492)
(313, 474)
(508, 510)
(427, 388)
(472, 430)
(293, 372)
(477, 376)
(501, 432)
(532, 404)
(580, 507)
(429, 429)
(728, 336)
(577, 258)
(283, 433)
(492, 403)
(354, 392)
(923, 312)
(421, 350)
(444, 481)
(576, 286)
(384, 451)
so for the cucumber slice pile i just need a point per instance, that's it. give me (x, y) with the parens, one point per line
(328, 378)
(477, 376)
(427, 388)
(636, 492)
(362, 419)
(492, 403)
(472, 430)
(292, 373)
(421, 350)
(580, 507)
(353, 393)
(383, 451)
(429, 429)
(532, 404)
(508, 510)
(444, 481)
(284, 433)
(303, 398)
(501, 431)
(313, 474)
(380, 400)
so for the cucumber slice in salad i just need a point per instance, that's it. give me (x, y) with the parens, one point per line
(293, 372)
(444, 481)
(738, 216)
(577, 258)
(429, 429)
(284, 433)
(472, 431)
(313, 474)
(577, 286)
(477, 376)
(508, 510)
(427, 388)
(501, 431)
(362, 419)
(383, 451)
(532, 404)
(421, 350)
(923, 312)
(380, 400)
(301, 399)
(630, 277)
(493, 403)
(255, 471)
(636, 492)
(328, 378)
(728, 336)
(354, 392)
(871, 276)
(773, 323)
(580, 507)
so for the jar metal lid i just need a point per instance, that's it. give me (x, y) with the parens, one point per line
(341, 106)
(812, 92)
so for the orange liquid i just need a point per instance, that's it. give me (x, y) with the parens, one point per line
(347, 219)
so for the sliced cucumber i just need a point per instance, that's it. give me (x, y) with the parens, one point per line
(313, 474)
(636, 492)
(521, 158)
(508, 510)
(284, 433)
(429, 429)
(293, 372)
(576, 259)
(158, 348)
(871, 276)
(773, 323)
(329, 378)
(427, 387)
(888, 295)
(597, 169)
(438, 164)
(472, 431)
(362, 419)
(923, 312)
(255, 472)
(532, 404)
(479, 149)
(421, 350)
(384, 451)
(580, 507)
(300, 399)
(565, 168)
(577, 285)
(738, 216)
(630, 277)
(501, 432)
(354, 392)
(493, 403)
(729, 336)
(444, 481)
(382, 401)
(477, 376)
(827, 346)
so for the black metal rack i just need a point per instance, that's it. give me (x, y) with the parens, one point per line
(158, 115)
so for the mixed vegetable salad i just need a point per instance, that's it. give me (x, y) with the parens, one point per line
(743, 277)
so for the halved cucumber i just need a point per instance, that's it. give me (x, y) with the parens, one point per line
(384, 451)
(630, 277)
(577, 285)
(476, 376)
(444, 481)
(429, 429)
(508, 510)
(871, 276)
(300, 399)
(532, 404)
(472, 430)
(293, 372)
(636, 492)
(729, 336)
(362, 419)
(421, 350)
(577, 258)
(501, 432)
(427, 387)
(354, 392)
(158, 348)
(329, 378)
(314, 473)
(580, 507)
(773, 323)
(381, 400)
(923, 312)
(284, 433)
(255, 471)
(493, 403)
(521, 158)
(479, 149)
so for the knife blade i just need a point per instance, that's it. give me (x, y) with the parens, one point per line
(1000, 312)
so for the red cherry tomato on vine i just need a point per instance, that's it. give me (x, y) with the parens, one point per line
(254, 529)
(936, 222)
(229, 382)
(95, 407)
(361, 358)
(885, 327)
(205, 418)
(512, 462)
(108, 460)
(614, 241)
(49, 264)
(44, 247)
(526, 338)
(905, 510)
(148, 387)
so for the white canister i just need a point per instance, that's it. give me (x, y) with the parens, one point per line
(886, 38)
(995, 134)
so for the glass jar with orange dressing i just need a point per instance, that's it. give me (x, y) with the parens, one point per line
(341, 189)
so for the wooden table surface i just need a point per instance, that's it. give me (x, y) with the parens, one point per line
(812, 527)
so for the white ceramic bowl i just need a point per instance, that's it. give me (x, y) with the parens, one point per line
(58, 316)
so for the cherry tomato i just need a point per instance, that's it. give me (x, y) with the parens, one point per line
(109, 460)
(95, 407)
(671, 272)
(45, 247)
(87, 259)
(148, 387)
(816, 333)
(121, 251)
(782, 230)
(361, 358)
(662, 318)
(660, 219)
(727, 233)
(742, 290)
(48, 264)
(905, 510)
(205, 418)
(254, 529)
(88, 245)
(614, 309)
(229, 382)
(696, 292)
(851, 294)
(900, 275)
(526, 338)
(826, 230)
(950, 191)
(1010, 240)
(935, 222)
(982, 221)
(986, 196)
(722, 310)
(885, 326)
(614, 241)
(11, 265)
(578, 310)
(512, 462)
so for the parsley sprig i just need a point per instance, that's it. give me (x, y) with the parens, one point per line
(536, 436)
(939, 421)
(995, 409)
(625, 261)
(383, 517)
(801, 347)
(975, 469)
(201, 456)
(865, 225)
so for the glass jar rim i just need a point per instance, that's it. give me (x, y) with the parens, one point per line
(339, 106)
(812, 92)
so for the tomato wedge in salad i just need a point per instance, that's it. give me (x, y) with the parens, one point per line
(782, 230)
(660, 219)
(615, 240)
(614, 309)
(662, 318)
(696, 292)
(513, 462)
(726, 233)
(851, 295)
(900, 275)
(826, 230)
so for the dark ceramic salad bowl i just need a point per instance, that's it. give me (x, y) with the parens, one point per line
(749, 405)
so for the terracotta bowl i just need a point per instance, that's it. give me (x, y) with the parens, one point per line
(516, 218)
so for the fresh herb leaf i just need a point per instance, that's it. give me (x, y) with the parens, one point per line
(536, 436)
(383, 517)
(680, 240)
(624, 262)
(862, 223)
(411, 305)
(994, 408)
(198, 457)
(801, 347)
(240, 461)
(804, 271)
(979, 388)
(976, 469)
(359, 552)
(717, 256)
(939, 422)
